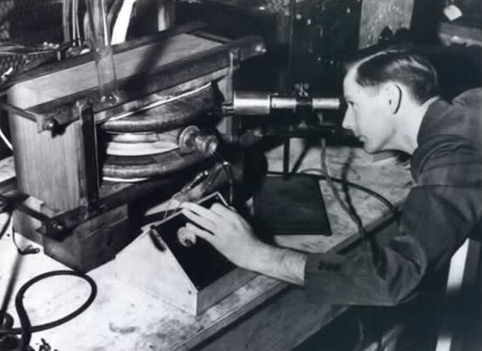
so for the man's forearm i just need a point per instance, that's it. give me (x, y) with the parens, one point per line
(279, 263)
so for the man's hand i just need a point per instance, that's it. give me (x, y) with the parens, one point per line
(233, 237)
(226, 230)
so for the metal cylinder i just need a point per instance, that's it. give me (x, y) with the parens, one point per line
(100, 43)
(325, 104)
(249, 103)
(193, 139)
(283, 103)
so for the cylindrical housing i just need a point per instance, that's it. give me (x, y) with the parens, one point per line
(249, 103)
(283, 103)
(325, 103)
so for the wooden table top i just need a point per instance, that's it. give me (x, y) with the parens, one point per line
(123, 317)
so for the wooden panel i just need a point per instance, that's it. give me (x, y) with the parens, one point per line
(157, 272)
(93, 242)
(222, 287)
(48, 167)
(172, 283)
(83, 77)
(281, 325)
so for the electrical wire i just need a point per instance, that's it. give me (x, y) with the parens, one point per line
(5, 140)
(350, 212)
(181, 193)
(26, 329)
(28, 250)
(212, 178)
(372, 193)
(161, 102)
(361, 335)
(204, 178)
(368, 240)
(66, 20)
(6, 225)
(75, 12)
(229, 174)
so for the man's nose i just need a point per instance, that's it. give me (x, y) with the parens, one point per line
(349, 120)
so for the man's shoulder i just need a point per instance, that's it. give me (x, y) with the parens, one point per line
(461, 117)
(471, 98)
(452, 139)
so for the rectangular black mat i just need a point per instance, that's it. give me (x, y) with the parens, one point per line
(291, 206)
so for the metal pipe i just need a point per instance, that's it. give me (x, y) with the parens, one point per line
(283, 103)
(249, 103)
(325, 103)
(104, 59)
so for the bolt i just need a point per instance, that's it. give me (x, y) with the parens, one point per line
(260, 48)
(51, 124)
(109, 99)
(57, 226)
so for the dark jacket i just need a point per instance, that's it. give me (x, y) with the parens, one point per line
(440, 213)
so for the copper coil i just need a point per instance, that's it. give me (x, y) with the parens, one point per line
(149, 166)
(172, 114)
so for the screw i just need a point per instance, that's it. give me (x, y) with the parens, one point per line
(51, 124)
(56, 226)
(260, 48)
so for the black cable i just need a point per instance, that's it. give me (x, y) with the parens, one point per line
(26, 328)
(5, 225)
(361, 335)
(28, 250)
(348, 209)
(212, 178)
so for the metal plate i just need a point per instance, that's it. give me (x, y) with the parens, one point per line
(140, 144)
(140, 149)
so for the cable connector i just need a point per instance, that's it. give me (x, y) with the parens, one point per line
(192, 139)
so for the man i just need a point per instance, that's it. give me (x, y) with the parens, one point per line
(392, 105)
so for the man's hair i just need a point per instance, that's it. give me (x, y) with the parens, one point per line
(397, 64)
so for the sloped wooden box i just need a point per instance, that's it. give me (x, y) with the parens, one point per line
(190, 278)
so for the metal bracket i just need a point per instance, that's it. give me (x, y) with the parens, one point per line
(51, 226)
(18, 111)
(50, 121)
(90, 151)
(232, 122)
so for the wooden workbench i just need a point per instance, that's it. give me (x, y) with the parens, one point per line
(265, 314)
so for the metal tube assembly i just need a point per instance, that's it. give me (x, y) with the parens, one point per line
(249, 103)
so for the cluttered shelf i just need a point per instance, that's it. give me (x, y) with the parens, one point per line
(255, 317)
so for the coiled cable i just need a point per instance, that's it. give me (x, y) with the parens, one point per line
(26, 329)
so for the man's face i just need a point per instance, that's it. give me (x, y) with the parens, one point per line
(368, 114)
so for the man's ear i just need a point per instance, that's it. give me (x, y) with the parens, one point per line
(394, 96)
